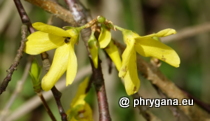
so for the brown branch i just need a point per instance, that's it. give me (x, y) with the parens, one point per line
(57, 96)
(204, 105)
(171, 90)
(13, 67)
(99, 85)
(55, 9)
(81, 17)
(47, 108)
(194, 113)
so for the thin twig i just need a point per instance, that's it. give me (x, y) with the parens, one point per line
(57, 96)
(23, 15)
(13, 67)
(16, 91)
(25, 20)
(47, 108)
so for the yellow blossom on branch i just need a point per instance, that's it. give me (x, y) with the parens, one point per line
(50, 37)
(79, 109)
(104, 42)
(146, 46)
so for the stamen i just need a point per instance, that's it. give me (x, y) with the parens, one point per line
(67, 39)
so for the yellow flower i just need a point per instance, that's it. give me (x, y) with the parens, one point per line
(50, 37)
(79, 109)
(146, 46)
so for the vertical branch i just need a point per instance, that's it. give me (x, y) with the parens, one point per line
(81, 17)
(79, 13)
(13, 67)
(47, 108)
(23, 15)
(99, 85)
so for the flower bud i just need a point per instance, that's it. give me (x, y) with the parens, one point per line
(93, 47)
(35, 74)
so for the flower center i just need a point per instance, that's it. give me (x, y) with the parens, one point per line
(67, 39)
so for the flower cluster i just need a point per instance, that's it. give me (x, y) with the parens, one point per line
(50, 37)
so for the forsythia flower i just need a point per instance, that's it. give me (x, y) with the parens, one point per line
(146, 46)
(50, 37)
(79, 109)
(105, 42)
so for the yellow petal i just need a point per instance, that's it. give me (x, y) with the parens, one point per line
(39, 42)
(72, 65)
(50, 29)
(153, 48)
(131, 79)
(113, 53)
(81, 91)
(104, 37)
(58, 67)
(165, 32)
(162, 33)
(126, 56)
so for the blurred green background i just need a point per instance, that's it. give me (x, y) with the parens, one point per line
(141, 16)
